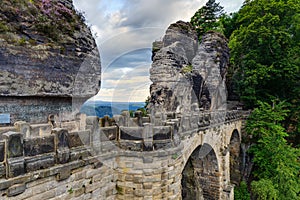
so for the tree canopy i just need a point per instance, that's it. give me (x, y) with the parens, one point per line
(265, 60)
(206, 18)
(277, 164)
(266, 50)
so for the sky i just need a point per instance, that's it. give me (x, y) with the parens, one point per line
(124, 32)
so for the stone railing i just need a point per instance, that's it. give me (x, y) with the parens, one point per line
(27, 148)
(160, 131)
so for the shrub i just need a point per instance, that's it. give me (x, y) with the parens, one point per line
(241, 192)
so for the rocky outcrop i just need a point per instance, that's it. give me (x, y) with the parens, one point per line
(210, 64)
(46, 52)
(185, 74)
(171, 88)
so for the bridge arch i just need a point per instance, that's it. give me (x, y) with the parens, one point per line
(235, 156)
(201, 174)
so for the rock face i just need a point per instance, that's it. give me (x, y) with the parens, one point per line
(211, 64)
(185, 74)
(49, 60)
(171, 89)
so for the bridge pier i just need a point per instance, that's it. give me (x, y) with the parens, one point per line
(149, 175)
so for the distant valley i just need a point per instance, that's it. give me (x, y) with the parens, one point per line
(102, 108)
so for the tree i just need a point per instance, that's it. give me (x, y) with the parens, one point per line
(206, 18)
(229, 23)
(277, 163)
(266, 50)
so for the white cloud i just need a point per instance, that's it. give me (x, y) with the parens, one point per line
(123, 85)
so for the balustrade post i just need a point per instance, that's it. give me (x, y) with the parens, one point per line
(148, 137)
(14, 154)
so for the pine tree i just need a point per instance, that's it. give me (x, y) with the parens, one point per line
(206, 18)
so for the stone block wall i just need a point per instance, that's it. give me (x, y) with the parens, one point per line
(76, 180)
(151, 175)
(83, 159)
(43, 162)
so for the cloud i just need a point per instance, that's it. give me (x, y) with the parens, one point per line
(125, 31)
(157, 13)
(123, 89)
(231, 6)
(134, 24)
(126, 76)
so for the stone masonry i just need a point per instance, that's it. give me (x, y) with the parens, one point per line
(116, 158)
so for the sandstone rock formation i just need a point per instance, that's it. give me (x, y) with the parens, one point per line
(48, 58)
(171, 89)
(211, 63)
(185, 74)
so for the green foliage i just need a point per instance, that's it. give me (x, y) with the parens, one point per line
(156, 46)
(265, 49)
(264, 190)
(119, 190)
(147, 101)
(131, 113)
(187, 69)
(206, 18)
(228, 23)
(144, 111)
(22, 41)
(175, 156)
(241, 192)
(70, 191)
(277, 162)
(3, 27)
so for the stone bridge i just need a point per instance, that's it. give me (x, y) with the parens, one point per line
(161, 156)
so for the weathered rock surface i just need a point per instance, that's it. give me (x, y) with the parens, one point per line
(185, 73)
(46, 50)
(211, 63)
(185, 34)
(171, 89)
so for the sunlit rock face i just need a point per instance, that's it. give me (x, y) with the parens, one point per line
(49, 61)
(171, 89)
(185, 73)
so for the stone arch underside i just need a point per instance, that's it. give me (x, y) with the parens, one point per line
(201, 175)
(235, 157)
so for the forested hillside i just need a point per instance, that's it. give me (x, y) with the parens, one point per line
(264, 40)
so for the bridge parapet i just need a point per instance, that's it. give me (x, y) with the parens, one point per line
(29, 152)
(29, 147)
(161, 131)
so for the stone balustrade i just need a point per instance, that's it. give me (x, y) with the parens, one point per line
(62, 150)
(26, 148)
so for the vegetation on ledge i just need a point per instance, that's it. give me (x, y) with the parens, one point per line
(34, 22)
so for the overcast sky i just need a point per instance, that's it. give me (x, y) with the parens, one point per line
(125, 30)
